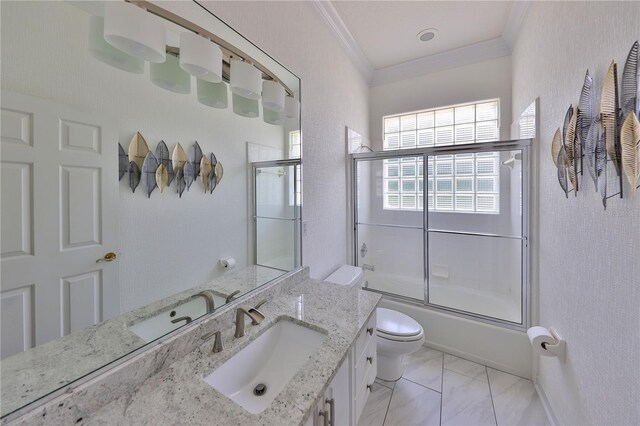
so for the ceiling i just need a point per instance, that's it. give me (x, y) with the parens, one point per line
(386, 31)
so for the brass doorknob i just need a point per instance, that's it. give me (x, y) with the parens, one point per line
(109, 257)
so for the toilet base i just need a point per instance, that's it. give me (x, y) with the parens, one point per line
(389, 368)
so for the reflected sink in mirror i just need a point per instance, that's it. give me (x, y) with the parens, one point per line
(171, 319)
(271, 360)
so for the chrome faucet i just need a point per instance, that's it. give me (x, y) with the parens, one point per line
(208, 297)
(255, 315)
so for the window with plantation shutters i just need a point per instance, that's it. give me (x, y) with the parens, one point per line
(455, 183)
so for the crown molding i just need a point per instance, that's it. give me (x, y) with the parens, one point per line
(517, 15)
(344, 36)
(473, 53)
(466, 55)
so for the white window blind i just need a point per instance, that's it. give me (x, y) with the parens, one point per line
(455, 183)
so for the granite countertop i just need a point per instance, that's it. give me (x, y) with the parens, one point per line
(37, 372)
(179, 395)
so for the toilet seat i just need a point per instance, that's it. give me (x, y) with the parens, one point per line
(398, 327)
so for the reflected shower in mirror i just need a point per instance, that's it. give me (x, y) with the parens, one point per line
(92, 270)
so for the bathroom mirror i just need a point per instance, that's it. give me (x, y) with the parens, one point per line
(92, 270)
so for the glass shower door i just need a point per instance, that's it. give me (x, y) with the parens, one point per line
(389, 224)
(277, 214)
(475, 237)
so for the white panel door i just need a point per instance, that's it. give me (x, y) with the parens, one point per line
(59, 213)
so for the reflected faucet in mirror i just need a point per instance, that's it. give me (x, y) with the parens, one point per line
(185, 318)
(209, 300)
(232, 295)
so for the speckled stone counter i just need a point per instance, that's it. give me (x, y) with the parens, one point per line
(179, 395)
(164, 384)
(35, 373)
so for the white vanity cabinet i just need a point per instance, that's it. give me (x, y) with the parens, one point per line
(347, 393)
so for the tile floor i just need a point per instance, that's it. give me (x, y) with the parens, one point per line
(441, 389)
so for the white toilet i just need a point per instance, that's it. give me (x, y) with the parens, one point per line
(398, 334)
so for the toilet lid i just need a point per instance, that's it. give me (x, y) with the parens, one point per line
(394, 323)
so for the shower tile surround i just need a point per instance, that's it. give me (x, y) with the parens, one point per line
(164, 384)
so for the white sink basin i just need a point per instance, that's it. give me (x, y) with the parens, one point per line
(272, 360)
(158, 325)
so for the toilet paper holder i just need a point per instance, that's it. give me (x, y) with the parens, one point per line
(551, 345)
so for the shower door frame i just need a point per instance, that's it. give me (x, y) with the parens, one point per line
(297, 210)
(524, 145)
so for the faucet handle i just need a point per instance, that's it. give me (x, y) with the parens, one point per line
(230, 297)
(260, 303)
(218, 344)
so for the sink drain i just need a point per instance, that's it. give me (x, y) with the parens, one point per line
(260, 389)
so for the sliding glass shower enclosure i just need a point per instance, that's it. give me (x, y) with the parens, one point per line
(446, 227)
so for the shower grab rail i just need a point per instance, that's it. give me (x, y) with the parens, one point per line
(276, 218)
(476, 234)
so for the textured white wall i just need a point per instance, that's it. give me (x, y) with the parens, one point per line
(334, 95)
(589, 258)
(483, 80)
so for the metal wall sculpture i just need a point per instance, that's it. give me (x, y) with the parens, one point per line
(160, 170)
(594, 141)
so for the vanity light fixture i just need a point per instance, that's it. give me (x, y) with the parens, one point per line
(200, 57)
(245, 107)
(291, 107)
(134, 31)
(272, 117)
(170, 76)
(104, 52)
(273, 96)
(245, 80)
(212, 94)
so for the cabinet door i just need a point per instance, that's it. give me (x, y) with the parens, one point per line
(341, 394)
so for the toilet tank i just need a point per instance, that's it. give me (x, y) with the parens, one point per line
(346, 275)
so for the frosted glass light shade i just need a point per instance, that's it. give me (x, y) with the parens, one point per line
(170, 76)
(212, 94)
(104, 52)
(246, 80)
(291, 107)
(273, 96)
(272, 117)
(200, 57)
(245, 107)
(134, 31)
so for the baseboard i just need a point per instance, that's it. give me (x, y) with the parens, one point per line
(553, 419)
(471, 357)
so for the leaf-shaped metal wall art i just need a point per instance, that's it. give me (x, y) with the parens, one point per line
(195, 155)
(123, 162)
(629, 86)
(213, 182)
(219, 172)
(189, 174)
(162, 154)
(178, 158)
(601, 168)
(134, 176)
(567, 119)
(572, 149)
(138, 149)
(214, 160)
(149, 167)
(556, 145)
(180, 183)
(585, 109)
(630, 141)
(590, 150)
(162, 177)
(205, 169)
(561, 163)
(609, 115)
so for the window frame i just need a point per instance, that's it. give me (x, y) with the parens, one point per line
(410, 132)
